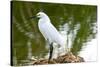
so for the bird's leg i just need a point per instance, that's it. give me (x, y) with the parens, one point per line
(51, 51)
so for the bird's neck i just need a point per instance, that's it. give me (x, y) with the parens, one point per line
(44, 19)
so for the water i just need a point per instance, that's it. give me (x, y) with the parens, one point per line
(89, 52)
(77, 24)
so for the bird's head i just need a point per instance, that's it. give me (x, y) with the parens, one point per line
(41, 15)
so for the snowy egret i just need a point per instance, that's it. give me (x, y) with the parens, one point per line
(49, 32)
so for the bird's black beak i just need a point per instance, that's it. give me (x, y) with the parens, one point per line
(32, 17)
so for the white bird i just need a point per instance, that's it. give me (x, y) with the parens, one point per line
(49, 32)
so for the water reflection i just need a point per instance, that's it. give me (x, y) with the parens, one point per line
(68, 34)
(29, 49)
(76, 23)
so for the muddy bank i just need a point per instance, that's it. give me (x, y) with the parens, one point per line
(67, 58)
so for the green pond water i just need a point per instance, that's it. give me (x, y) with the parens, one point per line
(76, 21)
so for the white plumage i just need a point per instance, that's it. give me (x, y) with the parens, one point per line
(49, 32)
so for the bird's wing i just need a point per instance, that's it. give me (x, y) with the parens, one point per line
(50, 32)
(53, 34)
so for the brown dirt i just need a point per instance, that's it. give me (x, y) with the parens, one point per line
(67, 58)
